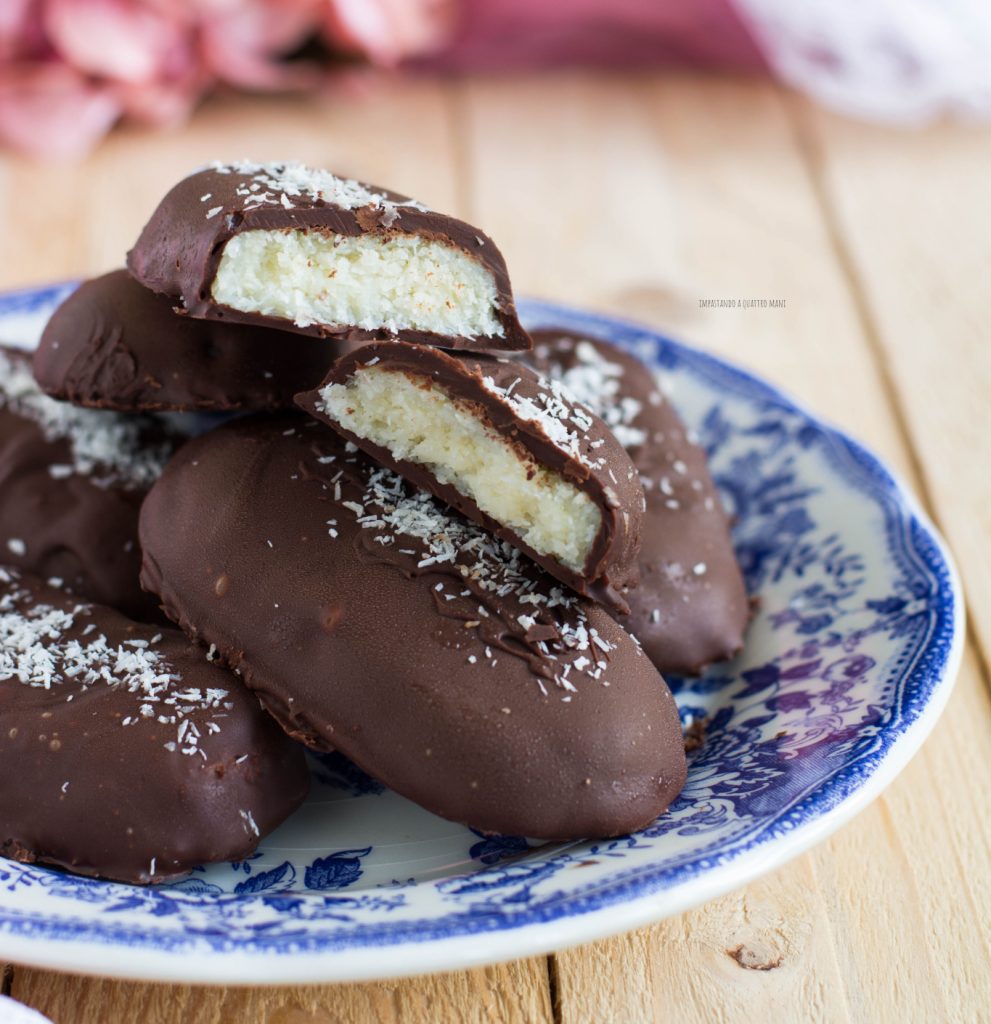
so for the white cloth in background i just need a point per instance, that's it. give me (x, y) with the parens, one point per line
(904, 61)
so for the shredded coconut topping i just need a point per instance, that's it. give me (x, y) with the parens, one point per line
(554, 410)
(36, 651)
(106, 446)
(277, 184)
(596, 382)
(488, 565)
(494, 566)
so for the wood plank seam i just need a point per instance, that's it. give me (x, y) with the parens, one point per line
(7, 983)
(842, 992)
(811, 154)
(553, 989)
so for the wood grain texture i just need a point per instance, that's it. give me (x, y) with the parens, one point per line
(913, 213)
(764, 953)
(915, 256)
(513, 994)
(642, 196)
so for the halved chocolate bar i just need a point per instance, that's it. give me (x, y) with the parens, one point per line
(289, 246)
(506, 447)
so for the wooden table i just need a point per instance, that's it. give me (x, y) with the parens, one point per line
(641, 196)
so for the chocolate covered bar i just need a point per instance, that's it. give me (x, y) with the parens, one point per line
(691, 606)
(71, 483)
(290, 246)
(113, 344)
(370, 619)
(125, 753)
(507, 448)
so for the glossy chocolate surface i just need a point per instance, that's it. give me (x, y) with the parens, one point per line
(124, 752)
(372, 620)
(71, 485)
(113, 344)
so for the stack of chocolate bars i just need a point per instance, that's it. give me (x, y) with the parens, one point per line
(456, 552)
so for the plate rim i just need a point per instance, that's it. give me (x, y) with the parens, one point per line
(454, 952)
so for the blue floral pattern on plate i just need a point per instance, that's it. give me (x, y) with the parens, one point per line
(847, 665)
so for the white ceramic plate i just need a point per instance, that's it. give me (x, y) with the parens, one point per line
(847, 667)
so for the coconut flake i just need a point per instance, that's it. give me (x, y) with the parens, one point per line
(38, 650)
(277, 184)
(105, 446)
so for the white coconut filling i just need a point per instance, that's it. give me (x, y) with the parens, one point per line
(395, 282)
(419, 422)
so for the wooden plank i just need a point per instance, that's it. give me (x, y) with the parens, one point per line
(741, 958)
(745, 222)
(913, 210)
(512, 994)
(910, 223)
(728, 210)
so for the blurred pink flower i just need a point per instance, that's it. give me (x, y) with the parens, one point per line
(241, 41)
(69, 69)
(50, 109)
(125, 42)
(21, 31)
(391, 31)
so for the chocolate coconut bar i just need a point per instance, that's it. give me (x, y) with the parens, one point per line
(71, 483)
(691, 607)
(125, 753)
(370, 619)
(289, 246)
(506, 447)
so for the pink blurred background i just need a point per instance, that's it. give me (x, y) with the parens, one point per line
(72, 69)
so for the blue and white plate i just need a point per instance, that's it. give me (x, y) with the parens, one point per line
(847, 666)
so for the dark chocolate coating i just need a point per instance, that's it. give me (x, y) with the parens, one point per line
(180, 248)
(139, 779)
(372, 620)
(113, 344)
(593, 460)
(691, 607)
(57, 520)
